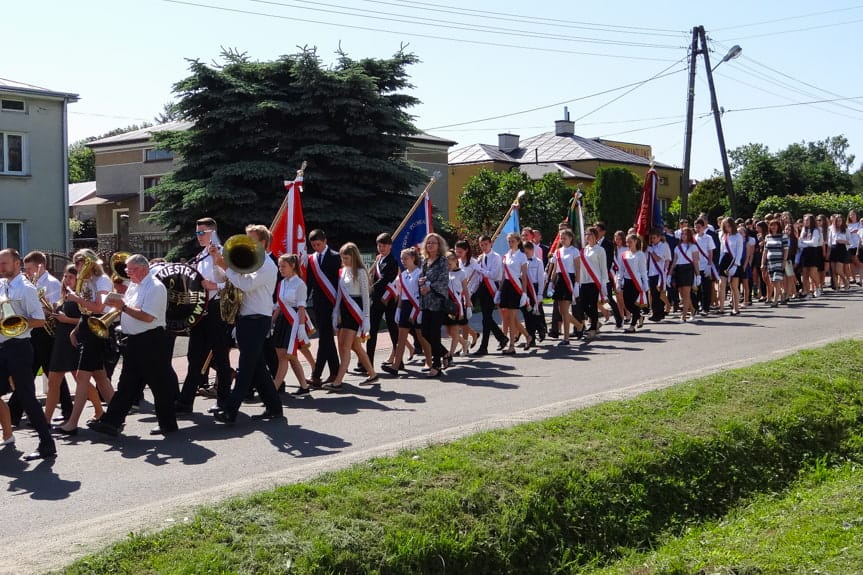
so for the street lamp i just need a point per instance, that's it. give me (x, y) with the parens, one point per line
(733, 52)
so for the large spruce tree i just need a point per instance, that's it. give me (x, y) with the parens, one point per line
(256, 122)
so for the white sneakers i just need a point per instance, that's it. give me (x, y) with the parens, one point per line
(8, 441)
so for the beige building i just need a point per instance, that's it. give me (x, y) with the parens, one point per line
(33, 168)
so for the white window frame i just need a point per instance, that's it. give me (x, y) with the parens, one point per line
(4, 110)
(114, 214)
(3, 224)
(25, 154)
(144, 191)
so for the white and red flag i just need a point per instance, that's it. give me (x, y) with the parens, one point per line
(289, 226)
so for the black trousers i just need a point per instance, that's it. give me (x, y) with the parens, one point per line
(612, 303)
(630, 297)
(489, 326)
(211, 334)
(657, 307)
(146, 363)
(252, 372)
(42, 344)
(16, 361)
(431, 326)
(381, 310)
(328, 355)
(706, 291)
(585, 305)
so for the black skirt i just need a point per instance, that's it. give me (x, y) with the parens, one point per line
(509, 297)
(684, 275)
(812, 257)
(282, 332)
(91, 347)
(346, 319)
(405, 309)
(561, 290)
(64, 356)
(839, 254)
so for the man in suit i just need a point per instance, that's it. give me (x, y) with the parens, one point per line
(606, 244)
(383, 272)
(322, 279)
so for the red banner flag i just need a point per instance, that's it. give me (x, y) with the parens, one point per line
(645, 219)
(289, 227)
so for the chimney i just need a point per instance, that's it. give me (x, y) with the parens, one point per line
(507, 142)
(564, 127)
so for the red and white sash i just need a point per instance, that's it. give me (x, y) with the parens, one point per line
(684, 254)
(585, 261)
(561, 270)
(298, 337)
(458, 302)
(322, 278)
(714, 273)
(391, 291)
(734, 264)
(489, 284)
(415, 305)
(642, 300)
(353, 307)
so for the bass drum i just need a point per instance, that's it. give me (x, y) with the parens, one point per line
(187, 298)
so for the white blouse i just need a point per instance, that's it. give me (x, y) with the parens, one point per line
(410, 282)
(596, 258)
(472, 273)
(567, 255)
(638, 263)
(293, 292)
(356, 286)
(684, 251)
(661, 251)
(514, 260)
(733, 242)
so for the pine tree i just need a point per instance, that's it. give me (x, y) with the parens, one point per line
(256, 122)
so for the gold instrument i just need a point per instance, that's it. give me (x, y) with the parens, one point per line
(11, 324)
(244, 255)
(48, 309)
(100, 325)
(118, 266)
(82, 284)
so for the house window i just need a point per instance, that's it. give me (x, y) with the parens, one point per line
(663, 206)
(12, 235)
(663, 181)
(154, 155)
(149, 200)
(12, 105)
(12, 153)
(156, 248)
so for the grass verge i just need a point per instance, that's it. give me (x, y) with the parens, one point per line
(557, 496)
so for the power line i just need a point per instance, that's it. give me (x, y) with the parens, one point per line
(775, 20)
(410, 34)
(545, 107)
(644, 129)
(109, 116)
(794, 30)
(450, 24)
(728, 111)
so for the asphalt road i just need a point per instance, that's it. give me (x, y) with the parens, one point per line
(100, 489)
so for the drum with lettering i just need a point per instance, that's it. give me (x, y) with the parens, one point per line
(187, 298)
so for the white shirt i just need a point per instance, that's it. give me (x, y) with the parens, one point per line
(358, 287)
(257, 288)
(567, 255)
(513, 260)
(733, 242)
(836, 237)
(293, 292)
(24, 299)
(536, 273)
(684, 251)
(53, 287)
(810, 238)
(638, 264)
(705, 243)
(853, 234)
(456, 282)
(211, 272)
(661, 251)
(490, 266)
(98, 284)
(150, 296)
(410, 282)
(596, 258)
(473, 274)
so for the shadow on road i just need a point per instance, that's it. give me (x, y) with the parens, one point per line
(39, 481)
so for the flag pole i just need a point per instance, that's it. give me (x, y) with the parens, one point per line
(421, 197)
(281, 211)
(506, 217)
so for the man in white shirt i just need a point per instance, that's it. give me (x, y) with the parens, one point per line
(16, 351)
(253, 327)
(491, 268)
(147, 352)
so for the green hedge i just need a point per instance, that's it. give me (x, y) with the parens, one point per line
(547, 497)
(812, 204)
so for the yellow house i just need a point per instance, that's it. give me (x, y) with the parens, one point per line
(574, 157)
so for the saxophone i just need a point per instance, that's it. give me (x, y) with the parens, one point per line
(48, 309)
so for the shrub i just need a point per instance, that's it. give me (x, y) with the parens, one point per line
(810, 204)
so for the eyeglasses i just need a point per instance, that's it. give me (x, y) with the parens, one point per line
(200, 233)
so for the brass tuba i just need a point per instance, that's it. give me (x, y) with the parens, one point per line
(100, 325)
(11, 324)
(48, 309)
(244, 255)
(118, 266)
(82, 288)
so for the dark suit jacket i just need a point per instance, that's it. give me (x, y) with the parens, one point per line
(389, 270)
(608, 246)
(330, 264)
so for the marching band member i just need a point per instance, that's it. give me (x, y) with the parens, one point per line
(211, 334)
(351, 316)
(633, 278)
(565, 262)
(457, 293)
(16, 352)
(658, 261)
(383, 273)
(468, 264)
(289, 322)
(91, 360)
(433, 282)
(592, 287)
(490, 271)
(146, 355)
(706, 269)
(731, 259)
(513, 292)
(322, 278)
(253, 328)
(683, 269)
(409, 313)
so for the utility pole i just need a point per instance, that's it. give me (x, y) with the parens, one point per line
(700, 37)
(690, 104)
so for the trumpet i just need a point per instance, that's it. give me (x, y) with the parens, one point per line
(48, 309)
(11, 324)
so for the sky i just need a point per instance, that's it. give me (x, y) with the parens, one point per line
(480, 59)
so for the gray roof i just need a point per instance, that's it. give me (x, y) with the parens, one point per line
(142, 135)
(537, 171)
(13, 87)
(548, 148)
(423, 137)
(81, 191)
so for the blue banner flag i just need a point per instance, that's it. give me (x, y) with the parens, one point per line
(415, 227)
(510, 225)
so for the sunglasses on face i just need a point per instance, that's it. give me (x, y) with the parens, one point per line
(200, 233)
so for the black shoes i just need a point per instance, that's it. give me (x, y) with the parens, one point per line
(213, 409)
(502, 343)
(225, 417)
(182, 407)
(100, 426)
(302, 391)
(161, 431)
(371, 380)
(268, 415)
(60, 431)
(46, 453)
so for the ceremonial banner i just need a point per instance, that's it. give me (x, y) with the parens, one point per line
(649, 214)
(289, 227)
(416, 225)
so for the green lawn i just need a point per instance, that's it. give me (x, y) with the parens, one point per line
(559, 496)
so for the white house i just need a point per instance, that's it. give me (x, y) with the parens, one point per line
(33, 167)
